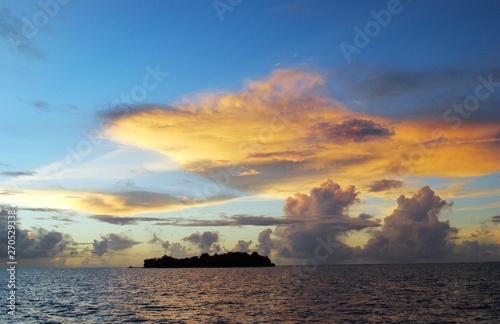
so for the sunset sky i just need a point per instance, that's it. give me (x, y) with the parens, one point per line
(369, 130)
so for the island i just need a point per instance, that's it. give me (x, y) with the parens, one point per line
(226, 260)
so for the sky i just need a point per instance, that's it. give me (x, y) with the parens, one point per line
(314, 132)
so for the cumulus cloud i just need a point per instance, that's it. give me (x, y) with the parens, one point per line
(241, 246)
(384, 184)
(329, 204)
(156, 240)
(326, 200)
(205, 241)
(413, 230)
(36, 243)
(178, 250)
(175, 250)
(112, 242)
(472, 251)
(265, 242)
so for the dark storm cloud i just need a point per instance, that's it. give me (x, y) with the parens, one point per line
(495, 219)
(382, 185)
(12, 33)
(16, 174)
(35, 243)
(112, 242)
(205, 241)
(241, 246)
(351, 130)
(413, 230)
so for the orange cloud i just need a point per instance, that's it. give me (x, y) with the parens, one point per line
(279, 130)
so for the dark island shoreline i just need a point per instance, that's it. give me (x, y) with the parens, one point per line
(226, 260)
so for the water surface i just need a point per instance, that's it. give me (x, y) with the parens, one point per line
(325, 294)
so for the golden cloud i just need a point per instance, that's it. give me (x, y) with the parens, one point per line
(280, 130)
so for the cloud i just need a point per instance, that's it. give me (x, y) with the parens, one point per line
(205, 241)
(247, 172)
(328, 202)
(132, 202)
(241, 246)
(474, 251)
(292, 131)
(495, 219)
(175, 250)
(37, 243)
(391, 83)
(42, 105)
(413, 230)
(349, 131)
(249, 220)
(16, 174)
(156, 240)
(384, 184)
(112, 242)
(11, 32)
(51, 210)
(265, 242)
(365, 216)
(124, 220)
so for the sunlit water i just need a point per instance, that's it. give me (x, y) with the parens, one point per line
(326, 294)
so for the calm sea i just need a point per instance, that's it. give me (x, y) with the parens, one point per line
(325, 294)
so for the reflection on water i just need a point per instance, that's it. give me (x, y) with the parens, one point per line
(360, 293)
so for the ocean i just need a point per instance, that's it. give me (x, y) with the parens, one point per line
(418, 293)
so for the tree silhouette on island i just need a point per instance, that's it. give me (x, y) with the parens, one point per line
(226, 260)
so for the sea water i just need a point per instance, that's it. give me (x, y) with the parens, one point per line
(468, 292)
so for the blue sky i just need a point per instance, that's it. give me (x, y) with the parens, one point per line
(248, 103)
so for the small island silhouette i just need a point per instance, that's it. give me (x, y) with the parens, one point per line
(226, 260)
